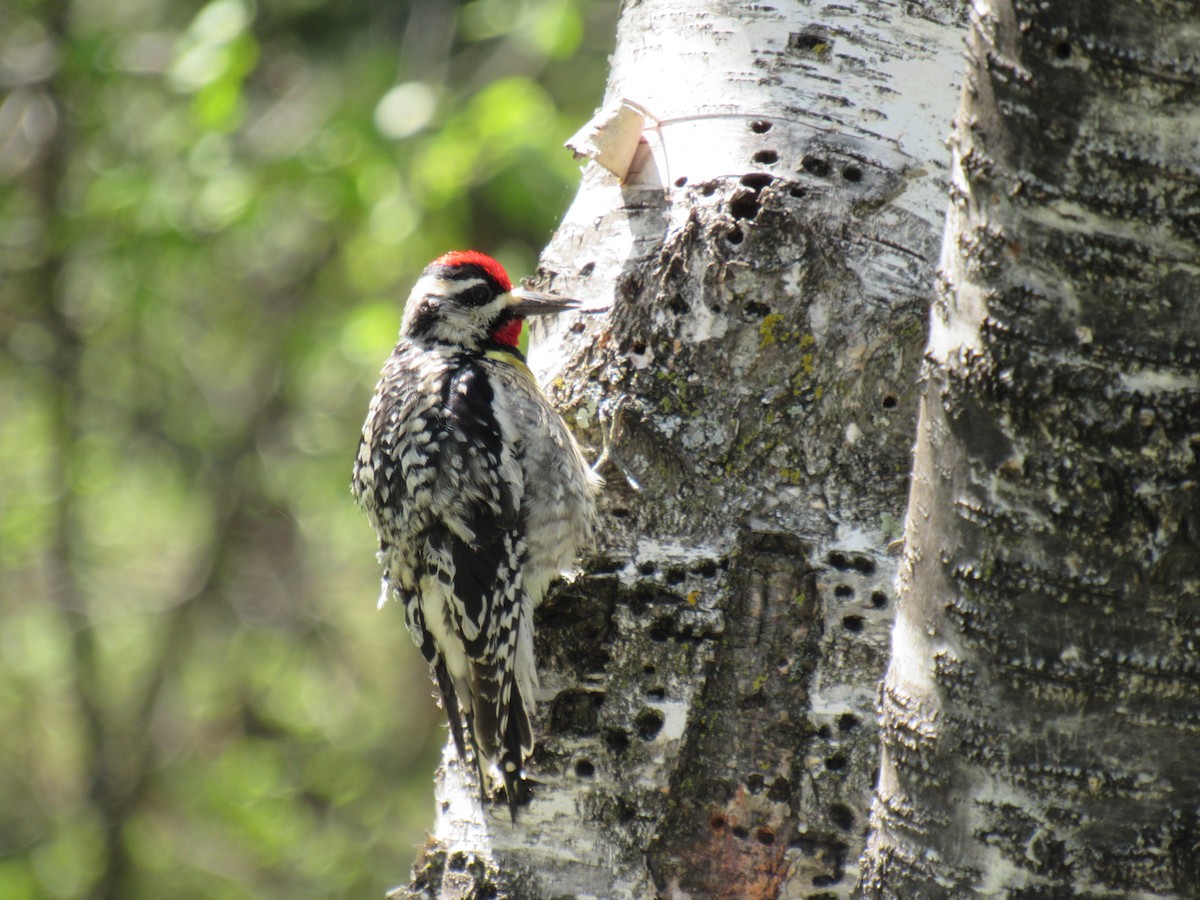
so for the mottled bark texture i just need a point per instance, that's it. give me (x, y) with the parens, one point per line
(706, 714)
(1041, 729)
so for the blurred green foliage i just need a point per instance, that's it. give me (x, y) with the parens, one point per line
(209, 216)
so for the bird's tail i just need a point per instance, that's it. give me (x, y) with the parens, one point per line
(518, 741)
(501, 729)
(454, 713)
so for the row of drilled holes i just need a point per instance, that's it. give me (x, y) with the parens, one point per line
(814, 165)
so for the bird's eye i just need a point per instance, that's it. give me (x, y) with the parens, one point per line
(477, 295)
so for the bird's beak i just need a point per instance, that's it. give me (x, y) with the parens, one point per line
(534, 303)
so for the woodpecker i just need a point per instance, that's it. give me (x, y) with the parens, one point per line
(479, 495)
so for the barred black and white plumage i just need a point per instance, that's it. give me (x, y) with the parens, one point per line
(479, 495)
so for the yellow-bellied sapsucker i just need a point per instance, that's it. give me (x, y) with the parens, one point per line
(479, 495)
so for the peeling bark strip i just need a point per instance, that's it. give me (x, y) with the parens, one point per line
(708, 682)
(1040, 721)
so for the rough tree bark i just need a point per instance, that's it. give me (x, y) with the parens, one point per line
(1040, 718)
(708, 682)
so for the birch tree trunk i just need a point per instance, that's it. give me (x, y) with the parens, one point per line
(705, 718)
(1041, 733)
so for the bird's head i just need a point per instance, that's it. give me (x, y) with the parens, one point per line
(465, 299)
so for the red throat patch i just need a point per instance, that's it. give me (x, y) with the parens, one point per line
(508, 334)
(475, 258)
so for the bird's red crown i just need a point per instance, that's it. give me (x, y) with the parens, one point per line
(475, 258)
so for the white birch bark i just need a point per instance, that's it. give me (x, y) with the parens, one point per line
(705, 719)
(1041, 735)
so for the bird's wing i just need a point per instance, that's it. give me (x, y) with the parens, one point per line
(477, 547)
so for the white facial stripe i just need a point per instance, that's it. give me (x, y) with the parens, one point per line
(487, 312)
(444, 287)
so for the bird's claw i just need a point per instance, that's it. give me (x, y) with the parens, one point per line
(609, 438)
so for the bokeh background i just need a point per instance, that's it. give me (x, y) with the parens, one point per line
(209, 217)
